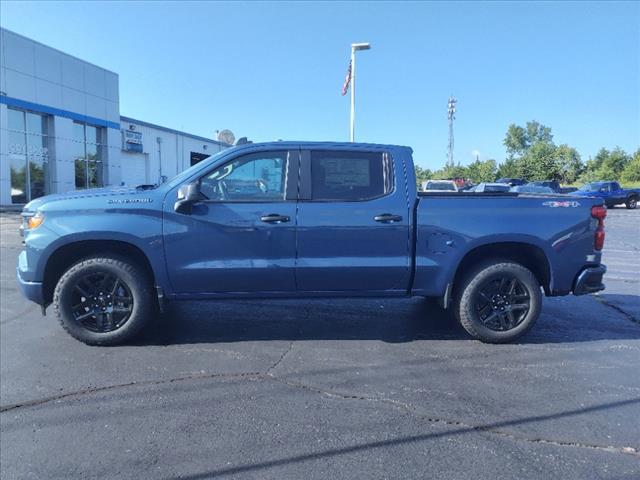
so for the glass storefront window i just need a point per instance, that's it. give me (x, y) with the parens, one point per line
(88, 163)
(28, 155)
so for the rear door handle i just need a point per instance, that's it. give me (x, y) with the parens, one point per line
(274, 218)
(388, 218)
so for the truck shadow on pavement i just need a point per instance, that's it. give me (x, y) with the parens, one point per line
(392, 321)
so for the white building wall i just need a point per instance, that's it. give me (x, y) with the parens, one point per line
(61, 152)
(165, 158)
(5, 179)
(38, 78)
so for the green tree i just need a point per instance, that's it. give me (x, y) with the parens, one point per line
(536, 132)
(569, 163)
(422, 174)
(508, 169)
(631, 172)
(482, 171)
(606, 165)
(519, 139)
(450, 171)
(532, 155)
(516, 140)
(616, 163)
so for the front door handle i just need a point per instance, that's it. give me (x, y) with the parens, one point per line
(388, 218)
(274, 218)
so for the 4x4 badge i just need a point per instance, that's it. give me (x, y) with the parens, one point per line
(564, 204)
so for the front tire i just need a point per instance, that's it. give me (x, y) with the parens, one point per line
(632, 203)
(104, 300)
(498, 301)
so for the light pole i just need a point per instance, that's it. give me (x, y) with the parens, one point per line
(354, 47)
(451, 116)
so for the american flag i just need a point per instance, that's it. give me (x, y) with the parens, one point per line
(347, 81)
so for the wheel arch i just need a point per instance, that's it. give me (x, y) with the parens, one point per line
(528, 255)
(67, 255)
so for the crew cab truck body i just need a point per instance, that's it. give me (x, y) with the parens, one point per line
(611, 193)
(305, 220)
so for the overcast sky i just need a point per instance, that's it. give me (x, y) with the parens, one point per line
(275, 70)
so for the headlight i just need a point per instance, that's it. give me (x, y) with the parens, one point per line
(35, 221)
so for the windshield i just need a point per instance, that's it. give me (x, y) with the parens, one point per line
(195, 168)
(590, 187)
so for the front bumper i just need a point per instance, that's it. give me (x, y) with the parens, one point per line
(31, 290)
(589, 280)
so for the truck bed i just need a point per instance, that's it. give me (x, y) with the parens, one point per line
(449, 225)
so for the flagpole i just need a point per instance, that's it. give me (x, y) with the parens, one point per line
(353, 95)
(352, 84)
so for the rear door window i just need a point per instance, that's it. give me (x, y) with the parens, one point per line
(350, 176)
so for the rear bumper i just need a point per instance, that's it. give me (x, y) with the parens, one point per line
(589, 280)
(31, 290)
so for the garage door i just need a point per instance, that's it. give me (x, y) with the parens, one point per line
(134, 171)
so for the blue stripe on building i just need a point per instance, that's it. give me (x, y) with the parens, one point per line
(37, 107)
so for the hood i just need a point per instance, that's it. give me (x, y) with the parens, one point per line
(91, 193)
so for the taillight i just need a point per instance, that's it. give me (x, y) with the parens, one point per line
(599, 213)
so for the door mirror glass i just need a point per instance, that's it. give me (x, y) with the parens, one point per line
(188, 194)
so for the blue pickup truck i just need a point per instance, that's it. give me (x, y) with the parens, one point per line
(610, 192)
(292, 219)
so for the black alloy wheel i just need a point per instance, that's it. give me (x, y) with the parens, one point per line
(502, 303)
(106, 299)
(498, 301)
(101, 302)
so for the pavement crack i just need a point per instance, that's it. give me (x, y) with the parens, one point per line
(282, 357)
(89, 391)
(463, 427)
(624, 313)
(307, 313)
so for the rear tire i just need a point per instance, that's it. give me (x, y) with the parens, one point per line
(104, 300)
(632, 203)
(498, 301)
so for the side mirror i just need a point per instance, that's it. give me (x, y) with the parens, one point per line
(188, 194)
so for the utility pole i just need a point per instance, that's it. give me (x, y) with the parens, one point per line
(451, 115)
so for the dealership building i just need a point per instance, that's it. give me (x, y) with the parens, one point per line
(61, 128)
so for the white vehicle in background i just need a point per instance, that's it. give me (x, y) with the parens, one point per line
(439, 186)
(530, 188)
(491, 187)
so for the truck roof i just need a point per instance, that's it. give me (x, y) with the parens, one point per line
(300, 144)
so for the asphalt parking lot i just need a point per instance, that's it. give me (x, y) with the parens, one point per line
(328, 389)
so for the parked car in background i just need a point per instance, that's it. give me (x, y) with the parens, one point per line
(299, 220)
(554, 185)
(531, 188)
(486, 187)
(439, 186)
(611, 193)
(512, 182)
